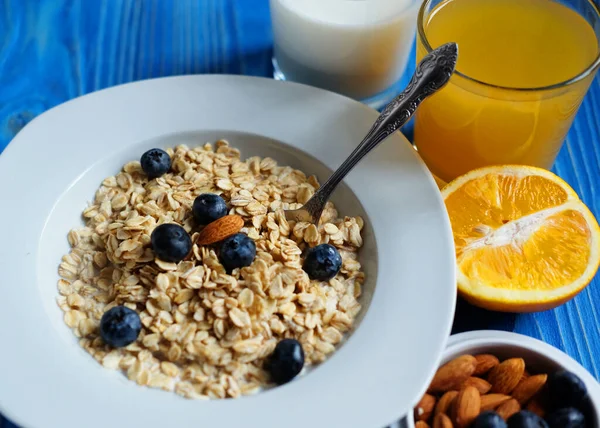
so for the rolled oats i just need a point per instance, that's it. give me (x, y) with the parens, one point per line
(206, 333)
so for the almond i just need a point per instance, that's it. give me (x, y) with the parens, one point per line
(421, 424)
(536, 407)
(506, 375)
(445, 403)
(492, 401)
(453, 373)
(442, 421)
(481, 385)
(466, 407)
(485, 362)
(508, 408)
(528, 387)
(424, 409)
(220, 229)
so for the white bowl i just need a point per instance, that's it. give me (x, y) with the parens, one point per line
(53, 167)
(537, 354)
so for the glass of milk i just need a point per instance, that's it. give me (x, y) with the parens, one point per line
(357, 48)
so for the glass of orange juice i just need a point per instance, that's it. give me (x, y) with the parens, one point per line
(523, 69)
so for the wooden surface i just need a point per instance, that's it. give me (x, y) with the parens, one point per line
(55, 50)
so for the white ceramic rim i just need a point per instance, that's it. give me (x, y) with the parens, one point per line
(371, 381)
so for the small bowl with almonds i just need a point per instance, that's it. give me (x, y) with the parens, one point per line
(495, 379)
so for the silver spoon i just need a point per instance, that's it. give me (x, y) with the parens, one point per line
(432, 73)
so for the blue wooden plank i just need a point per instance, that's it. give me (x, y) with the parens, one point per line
(252, 30)
(54, 50)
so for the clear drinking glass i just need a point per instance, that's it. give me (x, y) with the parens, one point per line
(358, 48)
(470, 123)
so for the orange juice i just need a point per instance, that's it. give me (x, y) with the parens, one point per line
(494, 111)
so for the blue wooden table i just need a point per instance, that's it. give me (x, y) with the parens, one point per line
(55, 50)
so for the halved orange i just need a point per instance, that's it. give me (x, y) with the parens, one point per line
(524, 241)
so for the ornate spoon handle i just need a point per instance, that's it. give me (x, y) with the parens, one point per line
(432, 73)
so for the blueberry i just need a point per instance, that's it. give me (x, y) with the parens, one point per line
(286, 361)
(526, 419)
(566, 418)
(489, 420)
(587, 408)
(170, 242)
(120, 326)
(155, 162)
(208, 207)
(565, 389)
(237, 251)
(322, 262)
